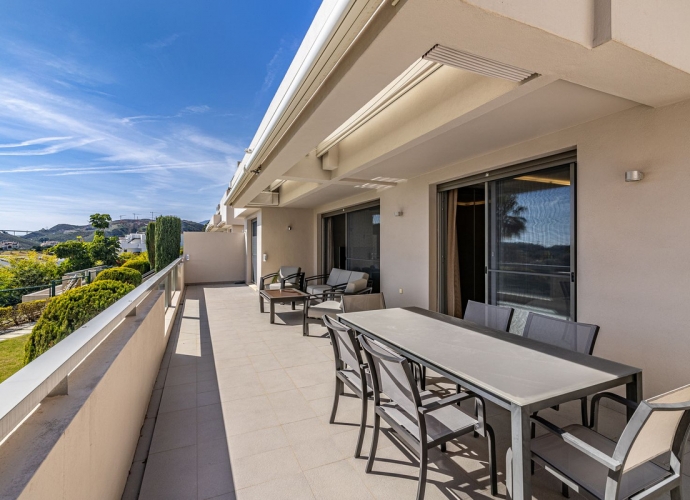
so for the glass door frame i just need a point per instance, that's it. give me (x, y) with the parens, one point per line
(563, 159)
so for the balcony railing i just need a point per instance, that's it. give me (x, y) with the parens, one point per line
(48, 374)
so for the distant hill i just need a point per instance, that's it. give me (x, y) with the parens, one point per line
(122, 227)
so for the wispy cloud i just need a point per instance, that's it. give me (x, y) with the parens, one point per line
(273, 68)
(196, 109)
(161, 43)
(32, 142)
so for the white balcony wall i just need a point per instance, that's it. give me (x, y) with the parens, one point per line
(80, 446)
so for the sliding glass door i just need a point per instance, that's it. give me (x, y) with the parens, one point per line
(352, 240)
(517, 229)
(530, 221)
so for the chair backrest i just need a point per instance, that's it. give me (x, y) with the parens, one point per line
(579, 337)
(289, 271)
(490, 316)
(366, 302)
(345, 347)
(334, 277)
(658, 426)
(391, 376)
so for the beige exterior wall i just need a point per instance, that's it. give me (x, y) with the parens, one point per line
(287, 248)
(80, 446)
(214, 257)
(632, 252)
(632, 247)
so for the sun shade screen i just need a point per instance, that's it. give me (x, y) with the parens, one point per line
(476, 64)
(657, 433)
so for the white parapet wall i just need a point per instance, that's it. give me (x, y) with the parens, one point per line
(80, 445)
(214, 257)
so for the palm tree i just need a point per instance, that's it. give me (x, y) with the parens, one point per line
(509, 213)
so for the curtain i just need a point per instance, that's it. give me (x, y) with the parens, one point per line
(453, 297)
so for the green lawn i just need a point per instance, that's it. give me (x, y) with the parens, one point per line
(11, 355)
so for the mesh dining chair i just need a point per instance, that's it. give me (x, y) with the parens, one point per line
(364, 302)
(350, 371)
(488, 315)
(420, 420)
(602, 469)
(579, 337)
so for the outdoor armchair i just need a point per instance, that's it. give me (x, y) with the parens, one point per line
(350, 371)
(330, 303)
(288, 277)
(602, 469)
(420, 420)
(338, 279)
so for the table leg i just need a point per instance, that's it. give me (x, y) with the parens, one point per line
(633, 391)
(261, 303)
(273, 312)
(522, 456)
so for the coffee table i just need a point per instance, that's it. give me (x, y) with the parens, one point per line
(283, 296)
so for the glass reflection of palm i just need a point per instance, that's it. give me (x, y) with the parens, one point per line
(509, 212)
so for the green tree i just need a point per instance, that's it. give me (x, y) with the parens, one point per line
(104, 249)
(151, 243)
(100, 222)
(77, 253)
(168, 232)
(33, 270)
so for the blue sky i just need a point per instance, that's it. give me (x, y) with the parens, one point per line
(133, 106)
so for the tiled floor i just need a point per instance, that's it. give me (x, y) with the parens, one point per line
(244, 409)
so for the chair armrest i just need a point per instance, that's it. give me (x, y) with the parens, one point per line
(579, 444)
(450, 400)
(364, 291)
(263, 278)
(318, 277)
(340, 286)
(594, 412)
(296, 275)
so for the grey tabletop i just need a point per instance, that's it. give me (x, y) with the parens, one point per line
(518, 370)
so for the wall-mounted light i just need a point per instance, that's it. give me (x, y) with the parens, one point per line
(398, 213)
(633, 176)
(289, 228)
(265, 257)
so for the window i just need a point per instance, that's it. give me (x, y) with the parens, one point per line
(517, 230)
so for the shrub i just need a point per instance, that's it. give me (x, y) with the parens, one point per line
(125, 256)
(141, 265)
(151, 243)
(6, 317)
(32, 310)
(168, 231)
(69, 311)
(122, 274)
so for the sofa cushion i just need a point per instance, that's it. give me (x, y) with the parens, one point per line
(333, 277)
(344, 277)
(276, 286)
(356, 286)
(357, 275)
(317, 289)
(330, 308)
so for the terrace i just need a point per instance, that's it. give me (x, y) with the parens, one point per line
(241, 410)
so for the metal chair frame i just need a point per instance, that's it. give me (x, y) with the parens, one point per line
(362, 390)
(419, 445)
(616, 463)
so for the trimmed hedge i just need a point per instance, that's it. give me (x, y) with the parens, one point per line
(122, 274)
(151, 243)
(141, 265)
(168, 232)
(69, 311)
(23, 312)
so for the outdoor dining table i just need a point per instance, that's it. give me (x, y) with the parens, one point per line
(519, 374)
